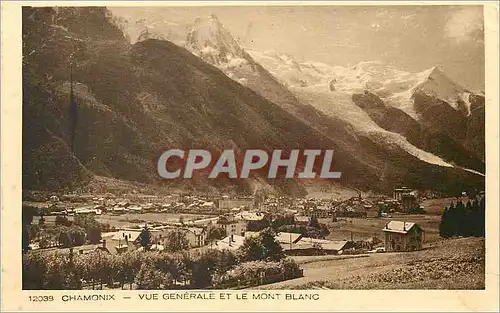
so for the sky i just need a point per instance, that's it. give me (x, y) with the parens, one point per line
(411, 38)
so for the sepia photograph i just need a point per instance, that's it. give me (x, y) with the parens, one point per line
(253, 147)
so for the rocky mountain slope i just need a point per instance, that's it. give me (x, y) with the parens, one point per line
(434, 113)
(135, 101)
(372, 100)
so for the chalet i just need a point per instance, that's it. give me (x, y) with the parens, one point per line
(323, 211)
(87, 210)
(121, 248)
(127, 236)
(148, 207)
(208, 205)
(283, 238)
(403, 236)
(398, 193)
(313, 246)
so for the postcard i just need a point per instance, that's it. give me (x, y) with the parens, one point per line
(249, 156)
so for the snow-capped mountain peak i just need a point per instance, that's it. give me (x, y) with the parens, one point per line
(396, 87)
(438, 85)
(209, 38)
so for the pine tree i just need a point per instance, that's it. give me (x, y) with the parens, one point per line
(272, 249)
(482, 217)
(444, 226)
(313, 222)
(145, 238)
(460, 220)
(451, 221)
(470, 220)
(475, 218)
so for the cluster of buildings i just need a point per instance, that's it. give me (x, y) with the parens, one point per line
(151, 204)
(398, 236)
(291, 243)
(233, 214)
(128, 239)
(403, 200)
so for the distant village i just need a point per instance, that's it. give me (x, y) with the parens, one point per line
(240, 218)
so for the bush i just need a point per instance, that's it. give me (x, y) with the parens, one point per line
(176, 240)
(70, 236)
(149, 277)
(148, 270)
(106, 228)
(92, 227)
(253, 270)
(60, 272)
(259, 272)
(290, 268)
(215, 233)
(209, 263)
(34, 269)
(262, 247)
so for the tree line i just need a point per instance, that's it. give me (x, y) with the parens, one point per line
(464, 220)
(64, 232)
(259, 257)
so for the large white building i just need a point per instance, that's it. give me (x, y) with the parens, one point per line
(232, 226)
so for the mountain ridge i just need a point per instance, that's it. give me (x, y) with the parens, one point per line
(136, 100)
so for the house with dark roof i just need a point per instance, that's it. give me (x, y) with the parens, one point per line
(403, 236)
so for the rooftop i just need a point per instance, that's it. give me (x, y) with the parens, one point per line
(132, 235)
(232, 242)
(249, 216)
(398, 227)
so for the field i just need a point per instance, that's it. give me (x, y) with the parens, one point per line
(442, 264)
(364, 228)
(127, 220)
(447, 264)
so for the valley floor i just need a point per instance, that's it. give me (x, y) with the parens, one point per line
(448, 264)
